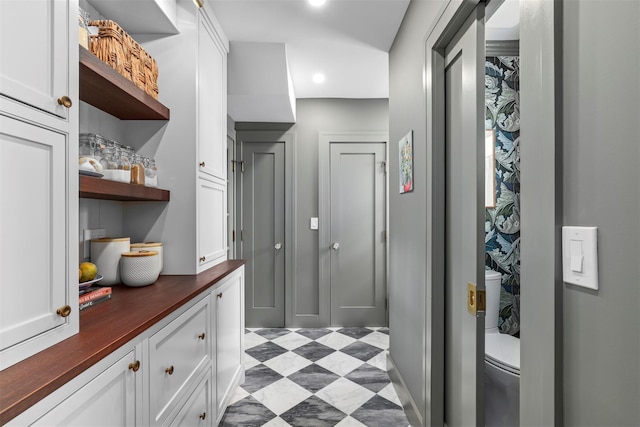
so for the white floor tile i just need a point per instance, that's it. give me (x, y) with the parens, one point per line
(377, 339)
(350, 422)
(339, 363)
(287, 363)
(292, 341)
(281, 396)
(250, 362)
(277, 422)
(336, 340)
(252, 339)
(239, 394)
(345, 395)
(389, 393)
(379, 361)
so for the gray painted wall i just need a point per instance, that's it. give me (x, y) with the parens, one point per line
(313, 116)
(601, 181)
(407, 229)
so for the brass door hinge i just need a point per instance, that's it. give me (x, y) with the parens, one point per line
(233, 235)
(476, 300)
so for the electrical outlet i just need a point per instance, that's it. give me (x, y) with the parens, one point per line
(91, 233)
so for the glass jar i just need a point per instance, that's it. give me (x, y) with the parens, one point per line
(90, 152)
(137, 170)
(124, 164)
(83, 28)
(109, 162)
(150, 172)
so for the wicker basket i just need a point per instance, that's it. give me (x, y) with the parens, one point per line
(115, 47)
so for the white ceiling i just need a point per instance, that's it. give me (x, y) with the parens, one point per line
(347, 40)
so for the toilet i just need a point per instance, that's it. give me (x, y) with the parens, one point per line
(502, 363)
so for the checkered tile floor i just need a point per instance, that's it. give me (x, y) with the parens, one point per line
(316, 377)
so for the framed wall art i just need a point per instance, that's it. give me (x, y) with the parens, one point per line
(405, 147)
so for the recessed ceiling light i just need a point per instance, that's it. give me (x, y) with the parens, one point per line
(317, 3)
(318, 78)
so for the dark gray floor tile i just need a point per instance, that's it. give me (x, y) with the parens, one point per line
(313, 351)
(384, 330)
(370, 377)
(272, 333)
(313, 412)
(265, 351)
(246, 412)
(313, 333)
(356, 333)
(361, 350)
(313, 377)
(379, 412)
(259, 377)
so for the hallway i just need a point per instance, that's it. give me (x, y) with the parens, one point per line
(315, 377)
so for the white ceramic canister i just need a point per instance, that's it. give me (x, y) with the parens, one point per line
(139, 268)
(150, 246)
(105, 254)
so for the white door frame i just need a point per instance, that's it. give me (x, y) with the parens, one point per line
(541, 330)
(325, 139)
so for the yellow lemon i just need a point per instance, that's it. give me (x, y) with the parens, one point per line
(88, 270)
(79, 274)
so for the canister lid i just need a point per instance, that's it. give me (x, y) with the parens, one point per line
(146, 245)
(109, 239)
(139, 254)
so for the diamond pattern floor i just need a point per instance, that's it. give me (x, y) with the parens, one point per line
(316, 377)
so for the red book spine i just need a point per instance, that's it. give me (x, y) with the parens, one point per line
(94, 295)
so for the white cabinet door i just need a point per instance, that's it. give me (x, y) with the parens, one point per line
(108, 400)
(34, 43)
(34, 281)
(212, 100)
(212, 223)
(229, 325)
(197, 411)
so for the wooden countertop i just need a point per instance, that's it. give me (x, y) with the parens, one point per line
(103, 329)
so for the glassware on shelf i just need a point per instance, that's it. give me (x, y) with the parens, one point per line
(124, 164)
(150, 172)
(137, 170)
(90, 152)
(109, 162)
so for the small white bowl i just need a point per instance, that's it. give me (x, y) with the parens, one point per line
(139, 268)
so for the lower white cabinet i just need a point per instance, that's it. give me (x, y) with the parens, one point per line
(180, 372)
(212, 223)
(229, 327)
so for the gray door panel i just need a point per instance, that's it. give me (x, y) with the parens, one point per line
(358, 289)
(464, 237)
(263, 229)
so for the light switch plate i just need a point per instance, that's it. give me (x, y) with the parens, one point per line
(580, 256)
(313, 224)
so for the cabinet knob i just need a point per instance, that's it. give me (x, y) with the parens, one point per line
(65, 101)
(169, 370)
(203, 258)
(64, 311)
(134, 366)
(203, 415)
(201, 336)
(202, 164)
(219, 295)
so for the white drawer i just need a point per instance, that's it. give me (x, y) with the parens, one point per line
(177, 354)
(198, 409)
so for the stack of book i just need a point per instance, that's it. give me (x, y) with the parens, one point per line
(93, 295)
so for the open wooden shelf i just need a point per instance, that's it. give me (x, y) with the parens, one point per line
(102, 87)
(98, 188)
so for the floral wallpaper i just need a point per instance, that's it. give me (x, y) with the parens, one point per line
(502, 223)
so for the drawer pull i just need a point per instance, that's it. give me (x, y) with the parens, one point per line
(169, 370)
(203, 416)
(65, 101)
(201, 336)
(64, 311)
(219, 295)
(134, 366)
(202, 164)
(203, 258)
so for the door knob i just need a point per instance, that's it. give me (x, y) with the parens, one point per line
(335, 246)
(278, 246)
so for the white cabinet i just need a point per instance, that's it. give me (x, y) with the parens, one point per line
(110, 399)
(198, 410)
(229, 327)
(212, 222)
(38, 176)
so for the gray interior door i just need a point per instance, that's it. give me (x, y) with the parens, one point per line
(358, 243)
(464, 332)
(263, 225)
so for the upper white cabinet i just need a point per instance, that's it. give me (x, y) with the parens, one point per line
(34, 41)
(38, 176)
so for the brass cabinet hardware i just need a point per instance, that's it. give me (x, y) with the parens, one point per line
(169, 370)
(65, 101)
(219, 295)
(134, 366)
(202, 164)
(201, 336)
(476, 300)
(203, 258)
(64, 311)
(203, 415)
